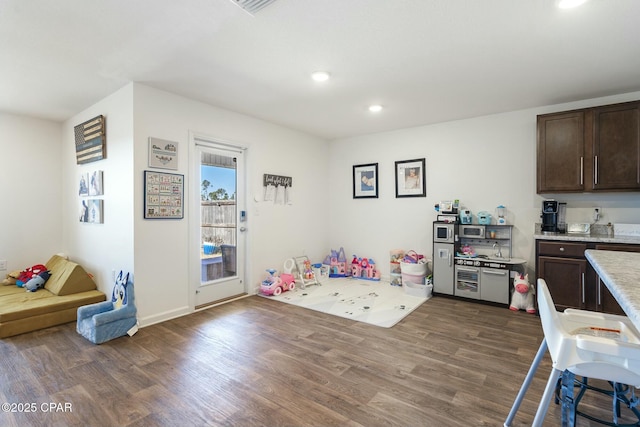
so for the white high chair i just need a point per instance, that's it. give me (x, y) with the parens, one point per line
(586, 343)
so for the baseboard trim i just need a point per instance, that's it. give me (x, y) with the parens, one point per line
(163, 317)
(221, 301)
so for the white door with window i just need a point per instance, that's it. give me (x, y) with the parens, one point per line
(217, 248)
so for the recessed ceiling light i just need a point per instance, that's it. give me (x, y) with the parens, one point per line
(320, 76)
(569, 4)
(376, 108)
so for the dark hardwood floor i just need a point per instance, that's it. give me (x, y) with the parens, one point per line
(255, 362)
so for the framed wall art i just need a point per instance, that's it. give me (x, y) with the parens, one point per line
(95, 183)
(90, 141)
(163, 154)
(365, 181)
(163, 195)
(410, 178)
(83, 185)
(91, 211)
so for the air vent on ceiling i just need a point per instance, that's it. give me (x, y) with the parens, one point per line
(253, 6)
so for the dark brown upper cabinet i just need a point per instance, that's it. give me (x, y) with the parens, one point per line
(589, 150)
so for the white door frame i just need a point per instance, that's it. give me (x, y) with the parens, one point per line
(195, 141)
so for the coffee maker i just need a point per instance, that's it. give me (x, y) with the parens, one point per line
(554, 217)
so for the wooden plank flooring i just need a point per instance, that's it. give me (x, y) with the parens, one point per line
(255, 362)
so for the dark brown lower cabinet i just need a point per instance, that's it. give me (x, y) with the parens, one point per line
(605, 301)
(572, 281)
(565, 278)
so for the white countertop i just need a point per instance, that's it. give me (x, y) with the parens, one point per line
(598, 238)
(620, 272)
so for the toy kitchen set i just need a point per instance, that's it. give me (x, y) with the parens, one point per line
(472, 254)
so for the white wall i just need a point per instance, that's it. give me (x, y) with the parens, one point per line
(275, 232)
(30, 191)
(101, 248)
(484, 162)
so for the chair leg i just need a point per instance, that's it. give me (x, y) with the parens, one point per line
(546, 398)
(616, 404)
(526, 383)
(568, 402)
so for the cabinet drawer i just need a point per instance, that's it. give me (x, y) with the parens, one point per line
(564, 249)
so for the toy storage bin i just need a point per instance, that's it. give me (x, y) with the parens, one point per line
(416, 279)
(418, 290)
(413, 273)
(395, 256)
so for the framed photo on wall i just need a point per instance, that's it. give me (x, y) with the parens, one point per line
(410, 178)
(365, 181)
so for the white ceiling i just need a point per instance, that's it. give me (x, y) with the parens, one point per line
(426, 61)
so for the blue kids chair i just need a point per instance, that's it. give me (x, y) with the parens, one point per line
(108, 320)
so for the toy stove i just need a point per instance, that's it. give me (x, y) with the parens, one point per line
(482, 278)
(481, 261)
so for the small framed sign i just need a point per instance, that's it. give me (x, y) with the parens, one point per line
(163, 154)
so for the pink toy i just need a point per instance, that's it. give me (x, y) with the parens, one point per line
(289, 280)
(364, 268)
(522, 296)
(274, 285)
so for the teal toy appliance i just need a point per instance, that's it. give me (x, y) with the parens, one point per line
(465, 216)
(484, 218)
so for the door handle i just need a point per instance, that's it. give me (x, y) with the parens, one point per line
(243, 228)
(599, 291)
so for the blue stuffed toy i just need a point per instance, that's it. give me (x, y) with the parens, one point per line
(37, 282)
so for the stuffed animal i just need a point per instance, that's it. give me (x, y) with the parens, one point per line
(522, 296)
(12, 278)
(38, 281)
(29, 273)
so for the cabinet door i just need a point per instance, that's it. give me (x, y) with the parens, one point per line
(616, 147)
(606, 302)
(494, 285)
(565, 279)
(443, 268)
(560, 152)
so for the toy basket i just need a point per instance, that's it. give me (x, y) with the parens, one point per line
(422, 291)
(413, 273)
(412, 257)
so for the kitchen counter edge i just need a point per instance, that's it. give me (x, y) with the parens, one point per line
(570, 237)
(620, 271)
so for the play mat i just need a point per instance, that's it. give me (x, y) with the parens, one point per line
(374, 302)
